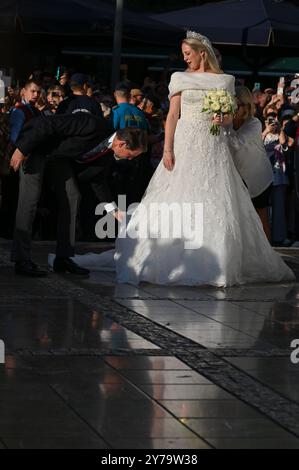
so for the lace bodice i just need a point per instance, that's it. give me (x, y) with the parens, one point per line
(192, 104)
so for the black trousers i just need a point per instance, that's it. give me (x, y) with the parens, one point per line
(68, 197)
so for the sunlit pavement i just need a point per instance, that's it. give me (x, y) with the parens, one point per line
(94, 365)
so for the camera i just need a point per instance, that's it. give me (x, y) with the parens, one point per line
(271, 120)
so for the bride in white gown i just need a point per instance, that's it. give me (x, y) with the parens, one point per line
(197, 169)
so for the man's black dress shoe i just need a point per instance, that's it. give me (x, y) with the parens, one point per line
(67, 265)
(28, 268)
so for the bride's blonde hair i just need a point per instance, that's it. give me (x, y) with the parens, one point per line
(244, 95)
(198, 46)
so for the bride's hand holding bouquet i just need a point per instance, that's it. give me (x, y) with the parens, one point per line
(222, 105)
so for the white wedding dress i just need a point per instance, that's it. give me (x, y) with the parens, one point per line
(233, 249)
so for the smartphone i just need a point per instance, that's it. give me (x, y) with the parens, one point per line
(257, 86)
(58, 73)
(280, 86)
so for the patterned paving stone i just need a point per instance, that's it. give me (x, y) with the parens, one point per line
(179, 367)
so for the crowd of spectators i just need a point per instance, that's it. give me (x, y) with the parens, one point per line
(278, 112)
(129, 105)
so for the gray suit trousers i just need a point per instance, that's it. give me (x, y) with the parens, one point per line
(68, 196)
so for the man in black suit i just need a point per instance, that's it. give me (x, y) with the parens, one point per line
(58, 140)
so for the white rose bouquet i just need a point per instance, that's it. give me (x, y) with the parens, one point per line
(218, 102)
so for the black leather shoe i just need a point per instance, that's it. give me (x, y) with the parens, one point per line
(67, 265)
(28, 268)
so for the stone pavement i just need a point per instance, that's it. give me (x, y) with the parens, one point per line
(94, 365)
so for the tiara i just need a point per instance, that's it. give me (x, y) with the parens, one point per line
(200, 37)
(194, 35)
(203, 39)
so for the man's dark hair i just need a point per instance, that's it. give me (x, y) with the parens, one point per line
(123, 90)
(30, 82)
(135, 138)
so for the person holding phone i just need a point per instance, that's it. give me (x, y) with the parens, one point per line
(55, 96)
(280, 86)
(277, 144)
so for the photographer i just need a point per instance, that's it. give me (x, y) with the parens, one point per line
(277, 145)
(55, 96)
(271, 131)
